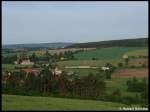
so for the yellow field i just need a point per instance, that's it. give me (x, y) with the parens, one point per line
(143, 52)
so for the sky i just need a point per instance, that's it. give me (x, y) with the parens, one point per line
(74, 21)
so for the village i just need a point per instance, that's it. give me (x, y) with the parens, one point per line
(55, 70)
(74, 56)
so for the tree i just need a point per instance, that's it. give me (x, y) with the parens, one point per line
(126, 59)
(115, 95)
(120, 64)
(144, 94)
(135, 85)
(116, 92)
(33, 57)
(47, 55)
(94, 58)
(29, 81)
(60, 55)
(100, 84)
(23, 55)
(110, 69)
(55, 57)
(46, 77)
(63, 81)
(9, 59)
(11, 82)
(68, 55)
(91, 86)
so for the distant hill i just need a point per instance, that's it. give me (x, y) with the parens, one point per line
(138, 42)
(110, 43)
(38, 45)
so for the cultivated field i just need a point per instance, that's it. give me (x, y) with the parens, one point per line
(143, 52)
(131, 73)
(57, 51)
(106, 53)
(138, 62)
(88, 62)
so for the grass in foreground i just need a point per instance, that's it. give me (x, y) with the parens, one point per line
(16, 102)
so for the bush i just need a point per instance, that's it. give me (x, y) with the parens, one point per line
(94, 59)
(132, 66)
(130, 100)
(135, 85)
(143, 65)
(117, 92)
(120, 64)
(115, 96)
(35, 66)
(132, 57)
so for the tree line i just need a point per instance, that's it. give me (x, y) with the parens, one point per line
(90, 86)
(67, 55)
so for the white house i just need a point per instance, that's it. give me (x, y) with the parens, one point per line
(57, 71)
(104, 68)
(24, 62)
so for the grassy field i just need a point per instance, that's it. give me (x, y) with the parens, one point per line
(106, 53)
(143, 52)
(100, 53)
(57, 51)
(89, 62)
(117, 82)
(8, 66)
(11, 67)
(82, 72)
(9, 54)
(16, 102)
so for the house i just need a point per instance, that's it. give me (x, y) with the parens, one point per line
(125, 56)
(27, 62)
(70, 73)
(16, 62)
(57, 72)
(104, 68)
(24, 62)
(62, 58)
(44, 63)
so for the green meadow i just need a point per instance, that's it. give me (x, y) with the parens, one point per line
(106, 53)
(16, 102)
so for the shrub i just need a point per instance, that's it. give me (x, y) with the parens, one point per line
(130, 100)
(94, 59)
(120, 64)
(132, 66)
(143, 65)
(135, 85)
(116, 95)
(116, 92)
